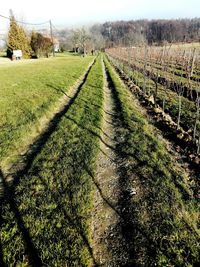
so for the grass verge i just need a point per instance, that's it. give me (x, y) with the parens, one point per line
(47, 216)
(167, 99)
(30, 91)
(162, 218)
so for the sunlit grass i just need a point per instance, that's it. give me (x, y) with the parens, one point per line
(30, 90)
(166, 213)
(54, 199)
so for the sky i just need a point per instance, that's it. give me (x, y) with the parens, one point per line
(71, 13)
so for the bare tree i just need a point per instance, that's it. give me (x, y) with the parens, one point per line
(75, 40)
(83, 39)
(97, 39)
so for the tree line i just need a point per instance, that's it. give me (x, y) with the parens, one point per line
(151, 32)
(132, 33)
(32, 45)
(101, 36)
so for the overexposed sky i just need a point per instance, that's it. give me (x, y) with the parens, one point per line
(74, 12)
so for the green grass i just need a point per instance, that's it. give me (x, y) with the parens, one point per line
(30, 90)
(54, 199)
(2, 54)
(164, 213)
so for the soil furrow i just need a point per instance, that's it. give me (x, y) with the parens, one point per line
(109, 244)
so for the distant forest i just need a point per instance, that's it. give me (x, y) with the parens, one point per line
(151, 32)
(131, 33)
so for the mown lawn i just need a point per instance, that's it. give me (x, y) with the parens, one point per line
(163, 216)
(29, 90)
(46, 220)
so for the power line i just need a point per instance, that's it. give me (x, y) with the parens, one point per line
(55, 28)
(51, 32)
(35, 24)
(26, 23)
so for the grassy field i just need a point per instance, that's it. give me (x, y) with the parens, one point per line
(29, 91)
(46, 213)
(163, 218)
(52, 202)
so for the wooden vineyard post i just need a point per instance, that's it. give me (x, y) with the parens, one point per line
(193, 61)
(198, 146)
(145, 67)
(197, 113)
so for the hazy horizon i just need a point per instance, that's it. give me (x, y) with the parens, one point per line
(87, 12)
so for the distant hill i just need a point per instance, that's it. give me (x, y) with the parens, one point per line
(138, 32)
(153, 31)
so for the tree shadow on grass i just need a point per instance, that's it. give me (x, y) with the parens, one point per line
(34, 149)
(1, 250)
(21, 169)
(138, 238)
(71, 218)
(103, 196)
(69, 212)
(58, 89)
(2, 264)
(30, 249)
(92, 132)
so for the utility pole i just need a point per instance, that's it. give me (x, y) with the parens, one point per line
(51, 31)
(11, 13)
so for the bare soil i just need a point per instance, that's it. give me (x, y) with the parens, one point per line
(109, 244)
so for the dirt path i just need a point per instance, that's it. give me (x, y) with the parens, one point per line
(109, 246)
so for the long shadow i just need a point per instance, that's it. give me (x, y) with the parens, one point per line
(30, 249)
(74, 223)
(111, 123)
(97, 106)
(101, 192)
(1, 256)
(90, 132)
(131, 226)
(117, 102)
(19, 170)
(58, 89)
(128, 224)
(92, 104)
(1, 250)
(107, 156)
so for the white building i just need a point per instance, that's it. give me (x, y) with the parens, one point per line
(56, 45)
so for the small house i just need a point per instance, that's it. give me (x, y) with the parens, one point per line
(56, 45)
(17, 54)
